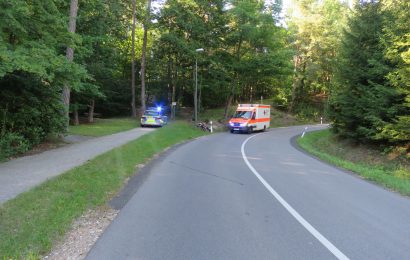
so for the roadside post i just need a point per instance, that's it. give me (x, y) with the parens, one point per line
(173, 107)
(212, 129)
(303, 134)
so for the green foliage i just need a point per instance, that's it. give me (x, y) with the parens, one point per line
(365, 106)
(396, 42)
(101, 25)
(363, 72)
(245, 56)
(33, 67)
(316, 28)
(32, 40)
(31, 109)
(11, 144)
(259, 50)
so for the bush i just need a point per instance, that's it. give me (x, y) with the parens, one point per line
(30, 110)
(11, 144)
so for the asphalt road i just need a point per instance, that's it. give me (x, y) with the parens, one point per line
(232, 196)
(22, 174)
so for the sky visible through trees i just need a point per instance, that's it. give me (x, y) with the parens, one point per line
(331, 58)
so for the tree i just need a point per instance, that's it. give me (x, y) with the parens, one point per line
(316, 32)
(257, 49)
(143, 56)
(33, 67)
(185, 26)
(364, 102)
(396, 42)
(70, 55)
(133, 107)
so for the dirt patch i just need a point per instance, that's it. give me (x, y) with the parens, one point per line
(83, 234)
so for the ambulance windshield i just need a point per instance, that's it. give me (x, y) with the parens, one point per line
(243, 114)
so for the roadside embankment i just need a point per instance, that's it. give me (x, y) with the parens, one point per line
(388, 170)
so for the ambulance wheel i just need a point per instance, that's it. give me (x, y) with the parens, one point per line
(249, 130)
(264, 128)
(231, 131)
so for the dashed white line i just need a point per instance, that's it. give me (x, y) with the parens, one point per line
(336, 252)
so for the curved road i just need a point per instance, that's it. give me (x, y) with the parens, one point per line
(231, 196)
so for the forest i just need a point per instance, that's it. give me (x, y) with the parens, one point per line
(348, 61)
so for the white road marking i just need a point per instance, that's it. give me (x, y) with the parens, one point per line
(336, 252)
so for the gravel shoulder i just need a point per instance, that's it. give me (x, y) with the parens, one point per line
(22, 174)
(83, 234)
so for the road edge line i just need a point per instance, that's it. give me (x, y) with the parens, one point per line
(326, 243)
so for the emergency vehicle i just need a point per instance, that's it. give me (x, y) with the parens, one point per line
(250, 117)
(154, 116)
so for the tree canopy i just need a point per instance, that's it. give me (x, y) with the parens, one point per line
(320, 54)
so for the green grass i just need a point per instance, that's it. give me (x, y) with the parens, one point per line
(369, 163)
(104, 127)
(31, 223)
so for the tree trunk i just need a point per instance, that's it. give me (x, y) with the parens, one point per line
(133, 108)
(143, 56)
(76, 121)
(295, 83)
(228, 105)
(91, 111)
(174, 88)
(196, 91)
(70, 57)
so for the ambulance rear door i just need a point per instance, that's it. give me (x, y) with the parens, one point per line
(263, 117)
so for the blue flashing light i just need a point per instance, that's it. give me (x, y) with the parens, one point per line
(159, 109)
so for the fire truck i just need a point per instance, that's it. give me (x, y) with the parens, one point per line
(249, 118)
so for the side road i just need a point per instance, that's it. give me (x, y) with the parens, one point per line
(21, 174)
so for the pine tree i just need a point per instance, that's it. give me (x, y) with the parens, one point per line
(396, 41)
(364, 102)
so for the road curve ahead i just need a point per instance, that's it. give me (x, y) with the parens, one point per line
(233, 196)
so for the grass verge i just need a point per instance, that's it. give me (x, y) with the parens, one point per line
(32, 222)
(368, 163)
(102, 127)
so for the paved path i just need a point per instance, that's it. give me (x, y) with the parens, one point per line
(226, 196)
(19, 175)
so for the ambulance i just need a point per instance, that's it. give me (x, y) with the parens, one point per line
(249, 118)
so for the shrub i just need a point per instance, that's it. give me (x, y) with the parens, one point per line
(11, 144)
(30, 110)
